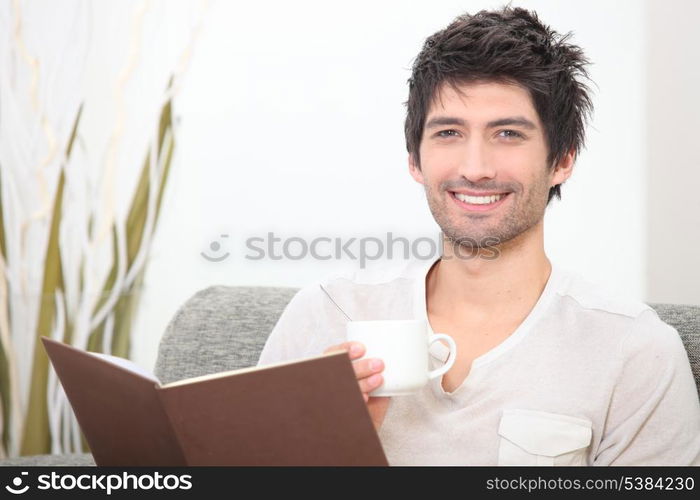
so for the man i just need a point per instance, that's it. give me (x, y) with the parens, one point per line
(549, 369)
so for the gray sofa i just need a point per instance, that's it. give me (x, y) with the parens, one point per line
(224, 328)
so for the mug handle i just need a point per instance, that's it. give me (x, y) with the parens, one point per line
(450, 360)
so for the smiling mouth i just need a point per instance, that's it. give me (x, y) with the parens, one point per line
(478, 203)
(479, 200)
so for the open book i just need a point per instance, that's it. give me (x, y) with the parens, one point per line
(305, 412)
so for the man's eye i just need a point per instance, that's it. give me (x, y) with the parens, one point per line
(510, 134)
(447, 133)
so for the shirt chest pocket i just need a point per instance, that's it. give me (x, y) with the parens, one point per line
(529, 437)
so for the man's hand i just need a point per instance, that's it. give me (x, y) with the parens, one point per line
(368, 373)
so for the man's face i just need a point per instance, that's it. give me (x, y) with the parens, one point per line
(483, 162)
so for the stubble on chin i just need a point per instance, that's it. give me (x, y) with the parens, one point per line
(477, 231)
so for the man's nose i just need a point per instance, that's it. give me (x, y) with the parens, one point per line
(475, 164)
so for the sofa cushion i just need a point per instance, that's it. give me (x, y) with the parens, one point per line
(220, 328)
(685, 319)
(67, 459)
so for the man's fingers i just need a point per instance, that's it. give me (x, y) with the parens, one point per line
(367, 367)
(369, 384)
(355, 349)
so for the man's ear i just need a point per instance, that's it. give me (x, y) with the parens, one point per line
(563, 169)
(414, 169)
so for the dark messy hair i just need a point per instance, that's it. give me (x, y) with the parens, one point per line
(510, 45)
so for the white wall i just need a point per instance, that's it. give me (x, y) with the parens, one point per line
(291, 121)
(673, 122)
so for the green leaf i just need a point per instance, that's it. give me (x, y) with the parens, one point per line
(5, 382)
(5, 398)
(36, 437)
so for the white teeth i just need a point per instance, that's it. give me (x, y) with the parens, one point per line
(478, 200)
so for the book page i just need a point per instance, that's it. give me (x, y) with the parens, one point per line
(203, 378)
(127, 365)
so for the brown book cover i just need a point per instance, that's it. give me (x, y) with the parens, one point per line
(304, 412)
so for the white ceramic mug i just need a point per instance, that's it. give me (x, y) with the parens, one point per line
(403, 347)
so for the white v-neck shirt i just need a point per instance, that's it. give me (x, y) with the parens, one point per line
(585, 379)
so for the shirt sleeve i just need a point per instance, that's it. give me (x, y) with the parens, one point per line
(293, 336)
(654, 413)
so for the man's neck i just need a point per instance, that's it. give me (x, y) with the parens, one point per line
(484, 284)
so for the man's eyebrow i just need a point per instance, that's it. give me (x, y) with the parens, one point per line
(441, 121)
(515, 120)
